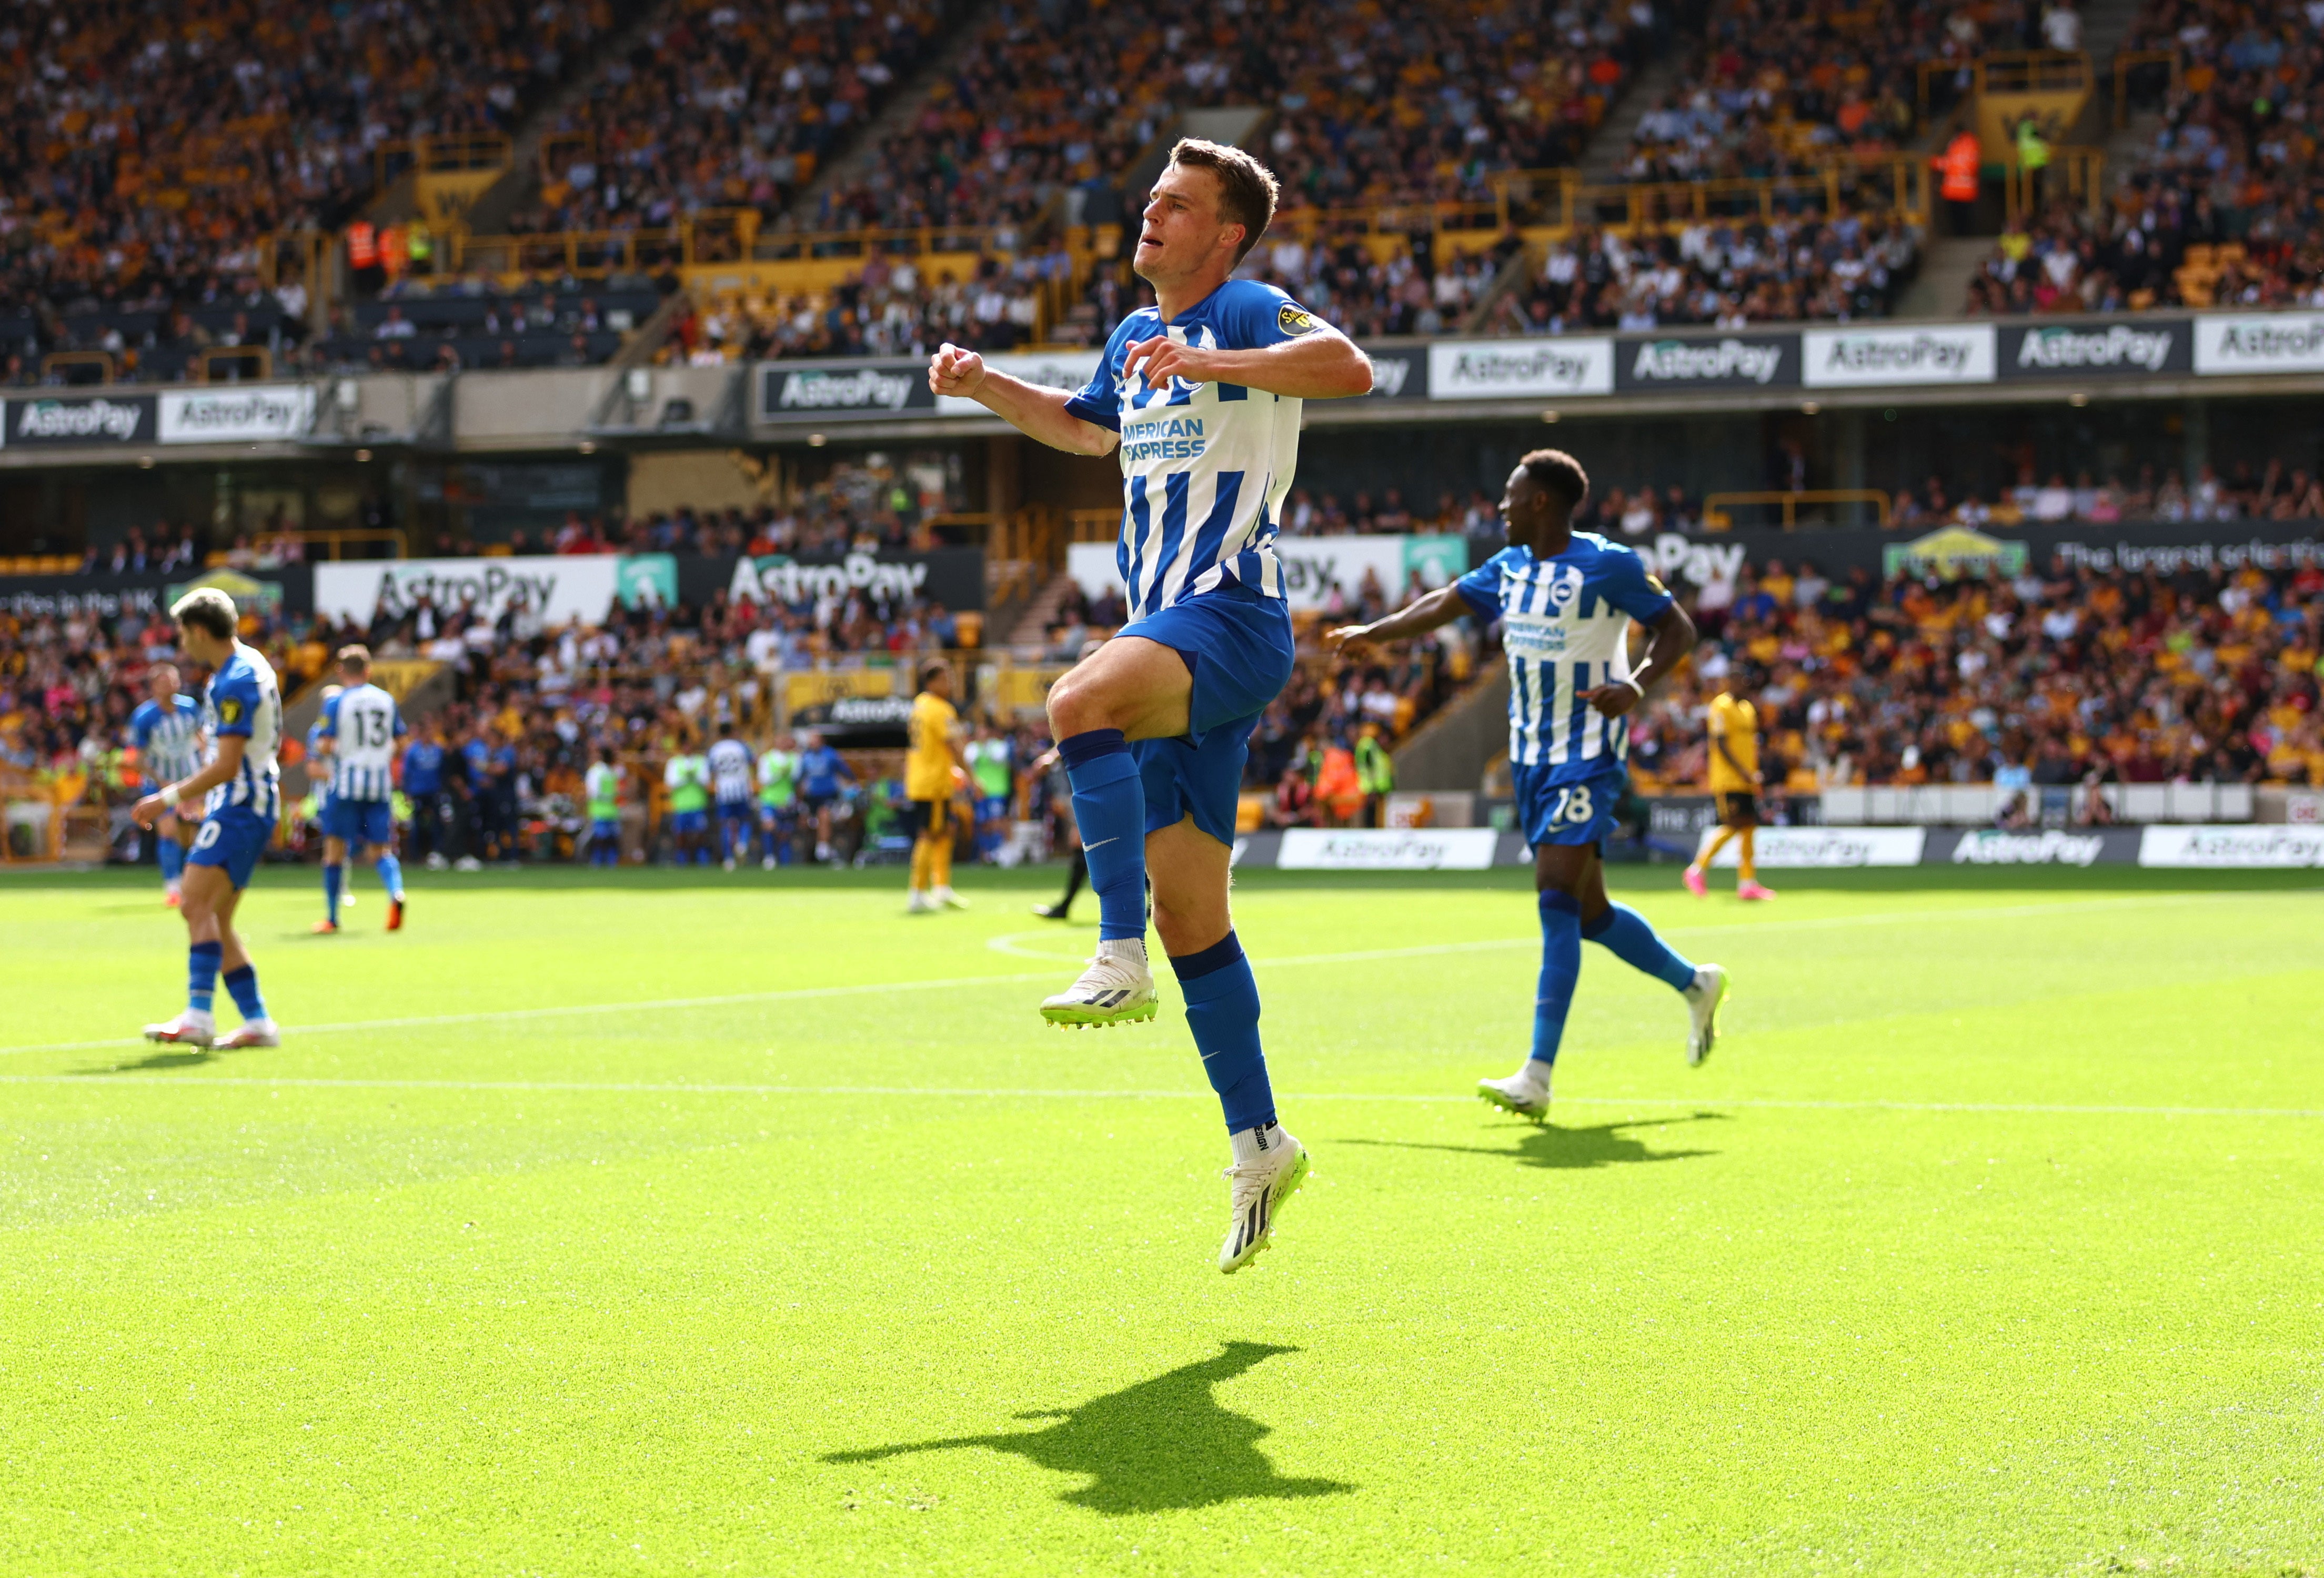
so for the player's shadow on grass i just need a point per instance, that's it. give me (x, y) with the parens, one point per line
(1596, 1145)
(1158, 1447)
(171, 1058)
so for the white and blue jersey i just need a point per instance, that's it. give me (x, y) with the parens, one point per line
(363, 724)
(730, 776)
(1204, 467)
(243, 699)
(167, 738)
(1565, 626)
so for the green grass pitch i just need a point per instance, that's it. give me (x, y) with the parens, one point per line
(742, 1224)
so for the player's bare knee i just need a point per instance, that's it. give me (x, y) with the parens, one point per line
(1077, 706)
(1189, 928)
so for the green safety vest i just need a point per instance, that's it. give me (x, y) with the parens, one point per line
(691, 791)
(988, 761)
(777, 778)
(1375, 768)
(605, 790)
(2032, 152)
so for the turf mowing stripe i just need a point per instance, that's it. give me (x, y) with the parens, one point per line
(1821, 923)
(627, 1088)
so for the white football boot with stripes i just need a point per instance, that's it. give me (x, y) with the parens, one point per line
(1257, 1190)
(1524, 1092)
(1702, 1001)
(1116, 989)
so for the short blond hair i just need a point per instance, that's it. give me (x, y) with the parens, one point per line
(355, 657)
(207, 608)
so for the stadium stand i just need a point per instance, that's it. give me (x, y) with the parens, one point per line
(133, 226)
(724, 104)
(1777, 87)
(2220, 208)
(1727, 273)
(474, 322)
(2056, 677)
(1379, 102)
(891, 307)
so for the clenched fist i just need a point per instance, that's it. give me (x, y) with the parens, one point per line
(955, 371)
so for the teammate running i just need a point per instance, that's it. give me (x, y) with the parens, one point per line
(730, 778)
(821, 768)
(929, 783)
(1734, 789)
(1201, 397)
(1566, 599)
(167, 730)
(778, 768)
(362, 724)
(243, 710)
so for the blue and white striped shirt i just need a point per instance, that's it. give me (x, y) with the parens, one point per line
(1204, 467)
(363, 724)
(167, 738)
(1565, 626)
(243, 699)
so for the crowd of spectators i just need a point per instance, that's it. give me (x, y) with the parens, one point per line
(1730, 274)
(2221, 206)
(1378, 103)
(891, 307)
(725, 104)
(2052, 677)
(148, 157)
(1781, 87)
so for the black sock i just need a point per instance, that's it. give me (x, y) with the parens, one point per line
(1074, 878)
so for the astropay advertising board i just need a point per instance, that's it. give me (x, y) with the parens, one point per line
(559, 586)
(1311, 565)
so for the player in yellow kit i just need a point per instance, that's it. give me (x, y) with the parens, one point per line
(1734, 787)
(932, 774)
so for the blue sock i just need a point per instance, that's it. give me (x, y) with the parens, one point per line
(1222, 1011)
(1561, 967)
(1626, 934)
(1109, 808)
(390, 876)
(244, 985)
(201, 975)
(333, 879)
(171, 854)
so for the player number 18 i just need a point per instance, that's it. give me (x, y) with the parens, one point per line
(1573, 803)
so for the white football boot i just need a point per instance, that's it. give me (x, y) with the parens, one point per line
(188, 1030)
(1702, 1001)
(1116, 989)
(947, 898)
(252, 1033)
(1524, 1092)
(1257, 1190)
(919, 903)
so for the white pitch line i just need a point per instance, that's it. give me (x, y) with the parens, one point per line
(1045, 1094)
(1822, 923)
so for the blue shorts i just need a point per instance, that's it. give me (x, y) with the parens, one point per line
(735, 810)
(604, 828)
(357, 822)
(1239, 648)
(993, 808)
(773, 816)
(1580, 812)
(689, 821)
(232, 837)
